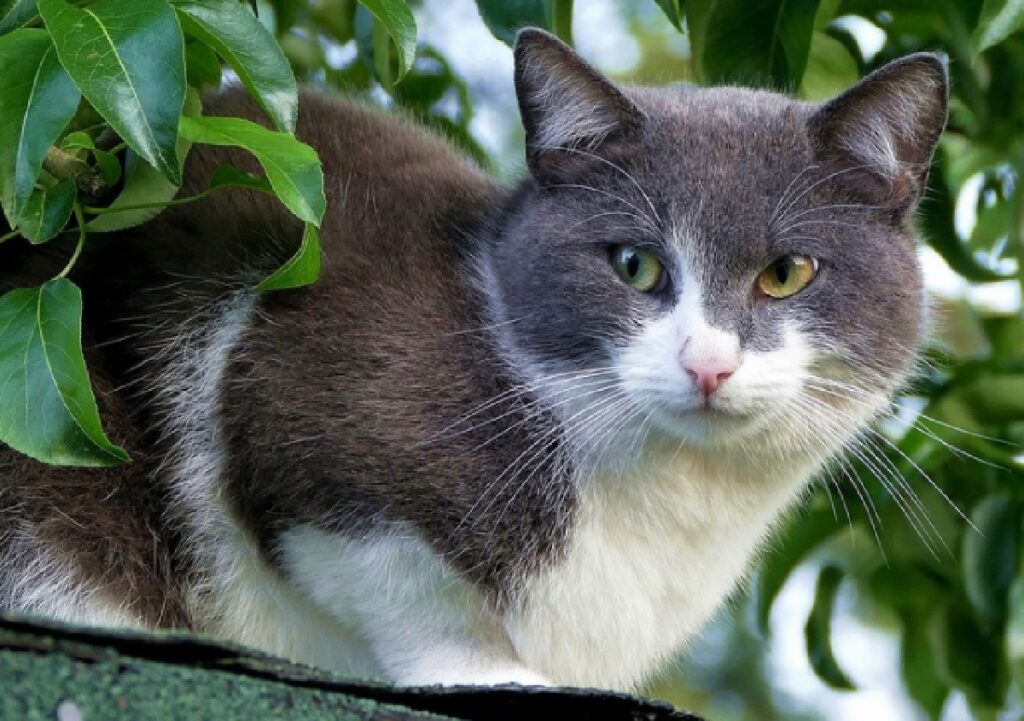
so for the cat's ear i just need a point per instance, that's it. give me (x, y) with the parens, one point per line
(568, 108)
(881, 133)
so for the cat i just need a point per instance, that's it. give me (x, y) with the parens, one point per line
(526, 434)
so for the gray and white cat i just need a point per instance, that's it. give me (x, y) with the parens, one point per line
(527, 434)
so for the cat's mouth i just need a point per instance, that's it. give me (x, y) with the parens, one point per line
(711, 413)
(704, 422)
(706, 407)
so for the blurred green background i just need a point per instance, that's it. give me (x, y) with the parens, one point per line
(896, 592)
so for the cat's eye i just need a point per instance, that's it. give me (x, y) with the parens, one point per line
(786, 276)
(638, 268)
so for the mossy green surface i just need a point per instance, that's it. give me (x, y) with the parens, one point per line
(58, 672)
(34, 685)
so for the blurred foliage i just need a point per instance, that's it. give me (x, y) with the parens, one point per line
(936, 490)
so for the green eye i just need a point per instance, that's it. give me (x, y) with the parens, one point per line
(638, 268)
(788, 275)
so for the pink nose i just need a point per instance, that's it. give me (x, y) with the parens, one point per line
(708, 376)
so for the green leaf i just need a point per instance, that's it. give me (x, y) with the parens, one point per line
(818, 631)
(966, 657)
(991, 226)
(506, 18)
(561, 19)
(356, 77)
(143, 185)
(901, 542)
(431, 81)
(49, 411)
(999, 19)
(15, 13)
(240, 38)
(996, 397)
(420, 91)
(223, 177)
(37, 100)
(202, 65)
(957, 425)
(381, 45)
(226, 176)
(697, 12)
(827, 10)
(917, 663)
(673, 10)
(305, 52)
(1014, 642)
(77, 140)
(109, 165)
(937, 214)
(803, 534)
(288, 12)
(398, 20)
(830, 68)
(763, 43)
(302, 269)
(907, 587)
(128, 59)
(962, 158)
(47, 211)
(334, 18)
(292, 167)
(989, 557)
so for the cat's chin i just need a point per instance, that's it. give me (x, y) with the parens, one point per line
(709, 427)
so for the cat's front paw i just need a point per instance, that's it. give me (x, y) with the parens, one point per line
(505, 677)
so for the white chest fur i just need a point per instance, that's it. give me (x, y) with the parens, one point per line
(654, 553)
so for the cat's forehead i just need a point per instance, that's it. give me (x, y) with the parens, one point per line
(737, 120)
(719, 160)
(720, 139)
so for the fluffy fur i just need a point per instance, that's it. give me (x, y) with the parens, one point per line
(471, 453)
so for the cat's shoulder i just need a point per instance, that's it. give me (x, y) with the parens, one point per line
(355, 134)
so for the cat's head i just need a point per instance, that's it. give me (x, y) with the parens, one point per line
(722, 266)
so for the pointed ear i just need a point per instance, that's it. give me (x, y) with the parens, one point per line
(882, 132)
(565, 104)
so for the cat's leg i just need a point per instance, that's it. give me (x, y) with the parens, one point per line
(424, 624)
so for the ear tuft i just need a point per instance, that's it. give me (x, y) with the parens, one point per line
(565, 104)
(887, 125)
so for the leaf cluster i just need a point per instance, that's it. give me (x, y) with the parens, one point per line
(99, 106)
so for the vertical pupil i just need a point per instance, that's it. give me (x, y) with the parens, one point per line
(633, 264)
(782, 271)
